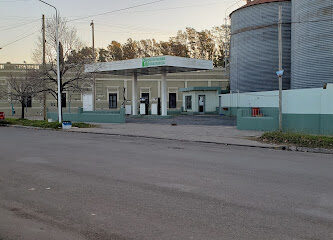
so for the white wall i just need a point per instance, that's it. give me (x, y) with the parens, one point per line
(300, 101)
(211, 100)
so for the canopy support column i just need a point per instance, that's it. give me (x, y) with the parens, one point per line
(164, 94)
(134, 94)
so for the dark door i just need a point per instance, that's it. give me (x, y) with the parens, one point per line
(113, 100)
(172, 100)
(201, 103)
(63, 100)
(188, 102)
(159, 106)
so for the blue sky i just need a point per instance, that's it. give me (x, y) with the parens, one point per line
(161, 20)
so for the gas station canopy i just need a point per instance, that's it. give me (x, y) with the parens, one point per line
(150, 66)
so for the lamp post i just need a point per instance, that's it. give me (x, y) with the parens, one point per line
(58, 60)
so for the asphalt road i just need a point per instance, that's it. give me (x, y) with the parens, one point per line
(58, 185)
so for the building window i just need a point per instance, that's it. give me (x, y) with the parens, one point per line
(188, 102)
(63, 100)
(172, 100)
(113, 100)
(28, 102)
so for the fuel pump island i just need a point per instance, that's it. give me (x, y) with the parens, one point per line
(149, 66)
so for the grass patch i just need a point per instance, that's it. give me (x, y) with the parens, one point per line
(41, 123)
(297, 139)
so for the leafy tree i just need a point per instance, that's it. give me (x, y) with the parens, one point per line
(164, 48)
(115, 51)
(206, 44)
(130, 49)
(83, 55)
(103, 55)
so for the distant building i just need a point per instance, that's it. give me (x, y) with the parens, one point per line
(111, 91)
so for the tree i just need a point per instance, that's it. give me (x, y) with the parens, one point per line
(72, 59)
(103, 55)
(164, 48)
(206, 44)
(221, 36)
(22, 90)
(130, 49)
(115, 51)
(176, 48)
(83, 55)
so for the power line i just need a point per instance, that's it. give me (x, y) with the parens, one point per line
(180, 7)
(17, 26)
(117, 10)
(10, 43)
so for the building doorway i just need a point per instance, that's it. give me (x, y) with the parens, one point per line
(201, 104)
(188, 103)
(63, 100)
(113, 100)
(172, 100)
(87, 99)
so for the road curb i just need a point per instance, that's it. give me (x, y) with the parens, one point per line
(310, 150)
(278, 147)
(32, 127)
(183, 140)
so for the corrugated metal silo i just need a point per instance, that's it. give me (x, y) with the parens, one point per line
(254, 57)
(312, 43)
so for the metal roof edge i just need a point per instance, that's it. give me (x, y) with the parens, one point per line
(258, 2)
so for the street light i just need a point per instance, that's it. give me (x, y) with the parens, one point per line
(58, 60)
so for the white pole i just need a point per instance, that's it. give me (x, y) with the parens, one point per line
(58, 60)
(58, 69)
(94, 60)
(164, 95)
(134, 94)
(280, 68)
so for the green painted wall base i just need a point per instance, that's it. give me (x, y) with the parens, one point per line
(269, 121)
(97, 117)
(318, 124)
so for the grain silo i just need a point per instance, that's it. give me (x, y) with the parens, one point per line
(254, 57)
(312, 43)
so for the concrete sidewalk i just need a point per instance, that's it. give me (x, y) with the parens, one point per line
(212, 134)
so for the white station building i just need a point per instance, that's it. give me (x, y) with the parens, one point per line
(150, 66)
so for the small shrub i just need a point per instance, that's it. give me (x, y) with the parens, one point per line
(302, 140)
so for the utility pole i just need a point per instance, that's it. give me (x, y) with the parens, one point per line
(280, 68)
(58, 60)
(94, 60)
(44, 67)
